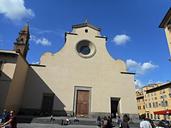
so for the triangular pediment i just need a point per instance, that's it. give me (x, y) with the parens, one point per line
(86, 25)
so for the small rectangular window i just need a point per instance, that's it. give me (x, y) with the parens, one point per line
(143, 106)
(166, 103)
(151, 116)
(149, 105)
(163, 91)
(146, 105)
(154, 116)
(156, 104)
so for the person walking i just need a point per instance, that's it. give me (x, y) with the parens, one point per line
(104, 122)
(99, 121)
(144, 123)
(109, 122)
(5, 116)
(11, 123)
(124, 123)
(119, 121)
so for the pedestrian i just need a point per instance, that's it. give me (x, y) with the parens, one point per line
(52, 118)
(76, 120)
(67, 121)
(5, 116)
(151, 122)
(160, 125)
(144, 122)
(119, 121)
(124, 123)
(11, 123)
(104, 122)
(99, 121)
(109, 122)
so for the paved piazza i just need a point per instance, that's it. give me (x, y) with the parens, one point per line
(37, 125)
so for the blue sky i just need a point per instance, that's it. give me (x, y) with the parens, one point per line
(131, 27)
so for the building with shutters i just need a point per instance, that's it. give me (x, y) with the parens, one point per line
(154, 100)
(166, 25)
(81, 79)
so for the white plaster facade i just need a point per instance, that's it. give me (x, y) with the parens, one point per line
(67, 70)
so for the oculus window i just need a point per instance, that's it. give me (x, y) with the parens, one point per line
(85, 48)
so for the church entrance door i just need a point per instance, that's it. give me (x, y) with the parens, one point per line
(114, 106)
(82, 103)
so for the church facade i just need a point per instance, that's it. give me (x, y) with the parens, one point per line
(81, 79)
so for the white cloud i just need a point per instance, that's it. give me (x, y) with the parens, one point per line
(42, 41)
(139, 68)
(153, 81)
(35, 62)
(138, 84)
(121, 39)
(15, 9)
(57, 32)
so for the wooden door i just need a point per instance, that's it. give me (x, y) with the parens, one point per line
(47, 104)
(82, 103)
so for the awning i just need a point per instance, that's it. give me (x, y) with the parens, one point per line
(163, 112)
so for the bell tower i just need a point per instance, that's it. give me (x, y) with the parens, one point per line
(22, 42)
(166, 25)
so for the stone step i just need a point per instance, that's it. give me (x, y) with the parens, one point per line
(56, 120)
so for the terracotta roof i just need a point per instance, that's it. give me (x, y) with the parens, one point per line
(8, 52)
(165, 19)
(165, 85)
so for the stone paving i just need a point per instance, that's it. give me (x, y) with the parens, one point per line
(38, 125)
(44, 122)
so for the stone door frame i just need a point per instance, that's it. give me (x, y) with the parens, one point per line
(82, 88)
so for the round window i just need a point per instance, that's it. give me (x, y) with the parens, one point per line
(85, 48)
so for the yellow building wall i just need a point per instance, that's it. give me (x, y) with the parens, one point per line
(141, 106)
(158, 97)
